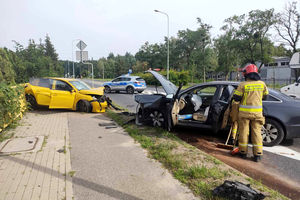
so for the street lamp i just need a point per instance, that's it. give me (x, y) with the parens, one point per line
(168, 41)
(72, 56)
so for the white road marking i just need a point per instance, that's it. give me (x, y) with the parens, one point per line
(283, 151)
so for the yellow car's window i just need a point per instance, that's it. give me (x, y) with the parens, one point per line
(79, 85)
(60, 85)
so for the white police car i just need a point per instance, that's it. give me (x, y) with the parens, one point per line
(125, 83)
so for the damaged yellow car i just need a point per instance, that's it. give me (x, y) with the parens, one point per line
(65, 93)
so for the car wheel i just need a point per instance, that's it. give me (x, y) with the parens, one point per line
(157, 118)
(84, 106)
(107, 89)
(32, 101)
(130, 90)
(272, 133)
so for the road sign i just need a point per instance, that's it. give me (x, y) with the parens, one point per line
(81, 45)
(81, 55)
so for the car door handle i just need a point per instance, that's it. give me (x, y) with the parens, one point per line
(54, 94)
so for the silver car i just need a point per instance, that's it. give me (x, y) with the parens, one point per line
(125, 83)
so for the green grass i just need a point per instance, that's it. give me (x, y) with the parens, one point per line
(71, 173)
(194, 168)
(8, 132)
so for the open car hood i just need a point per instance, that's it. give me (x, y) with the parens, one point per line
(95, 91)
(168, 86)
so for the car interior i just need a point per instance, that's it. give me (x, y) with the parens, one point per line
(195, 104)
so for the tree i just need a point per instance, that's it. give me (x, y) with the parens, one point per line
(49, 49)
(251, 35)
(288, 25)
(7, 74)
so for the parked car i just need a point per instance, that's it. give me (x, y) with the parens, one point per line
(125, 83)
(207, 106)
(292, 90)
(64, 93)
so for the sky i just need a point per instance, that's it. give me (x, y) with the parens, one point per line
(116, 26)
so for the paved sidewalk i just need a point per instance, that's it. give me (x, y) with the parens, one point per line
(107, 163)
(110, 165)
(42, 174)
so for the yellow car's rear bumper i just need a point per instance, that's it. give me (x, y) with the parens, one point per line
(99, 106)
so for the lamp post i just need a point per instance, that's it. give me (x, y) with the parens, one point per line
(168, 41)
(73, 57)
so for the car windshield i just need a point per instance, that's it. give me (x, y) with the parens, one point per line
(79, 85)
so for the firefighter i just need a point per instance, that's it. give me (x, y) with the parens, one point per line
(250, 95)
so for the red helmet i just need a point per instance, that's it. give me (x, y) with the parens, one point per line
(249, 69)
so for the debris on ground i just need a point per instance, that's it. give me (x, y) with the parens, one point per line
(235, 190)
(107, 124)
(109, 127)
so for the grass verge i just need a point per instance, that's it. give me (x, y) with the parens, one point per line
(194, 168)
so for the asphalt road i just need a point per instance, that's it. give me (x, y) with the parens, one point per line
(284, 158)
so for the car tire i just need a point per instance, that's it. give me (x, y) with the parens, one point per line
(107, 89)
(84, 106)
(272, 133)
(158, 119)
(130, 90)
(32, 101)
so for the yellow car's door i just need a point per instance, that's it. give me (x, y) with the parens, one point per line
(62, 95)
(42, 91)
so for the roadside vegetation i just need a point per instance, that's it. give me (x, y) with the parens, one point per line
(192, 167)
(12, 104)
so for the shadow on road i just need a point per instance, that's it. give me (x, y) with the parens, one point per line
(79, 181)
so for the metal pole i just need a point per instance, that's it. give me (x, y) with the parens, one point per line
(167, 42)
(88, 63)
(92, 74)
(73, 57)
(103, 72)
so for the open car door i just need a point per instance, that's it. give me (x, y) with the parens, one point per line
(219, 113)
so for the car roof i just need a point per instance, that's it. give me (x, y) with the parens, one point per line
(124, 76)
(64, 79)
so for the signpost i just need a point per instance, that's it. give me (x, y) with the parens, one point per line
(83, 56)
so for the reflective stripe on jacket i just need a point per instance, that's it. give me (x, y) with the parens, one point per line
(252, 93)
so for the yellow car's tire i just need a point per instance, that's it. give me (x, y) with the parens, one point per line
(84, 106)
(32, 101)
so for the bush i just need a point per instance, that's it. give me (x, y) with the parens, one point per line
(12, 104)
(175, 77)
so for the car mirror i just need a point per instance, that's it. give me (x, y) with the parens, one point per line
(297, 84)
(170, 96)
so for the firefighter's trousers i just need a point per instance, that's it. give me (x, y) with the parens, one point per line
(234, 129)
(256, 138)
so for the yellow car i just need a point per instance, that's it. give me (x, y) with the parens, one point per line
(65, 93)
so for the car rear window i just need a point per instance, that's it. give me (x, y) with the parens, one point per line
(41, 82)
(140, 79)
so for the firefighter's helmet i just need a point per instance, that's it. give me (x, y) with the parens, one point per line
(249, 69)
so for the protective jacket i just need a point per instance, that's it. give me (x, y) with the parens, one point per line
(250, 95)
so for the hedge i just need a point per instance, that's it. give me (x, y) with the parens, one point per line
(175, 77)
(12, 104)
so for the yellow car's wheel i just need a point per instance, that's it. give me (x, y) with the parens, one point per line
(84, 106)
(31, 100)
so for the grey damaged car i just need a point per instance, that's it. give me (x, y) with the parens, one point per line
(207, 106)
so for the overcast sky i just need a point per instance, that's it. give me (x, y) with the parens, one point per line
(116, 26)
